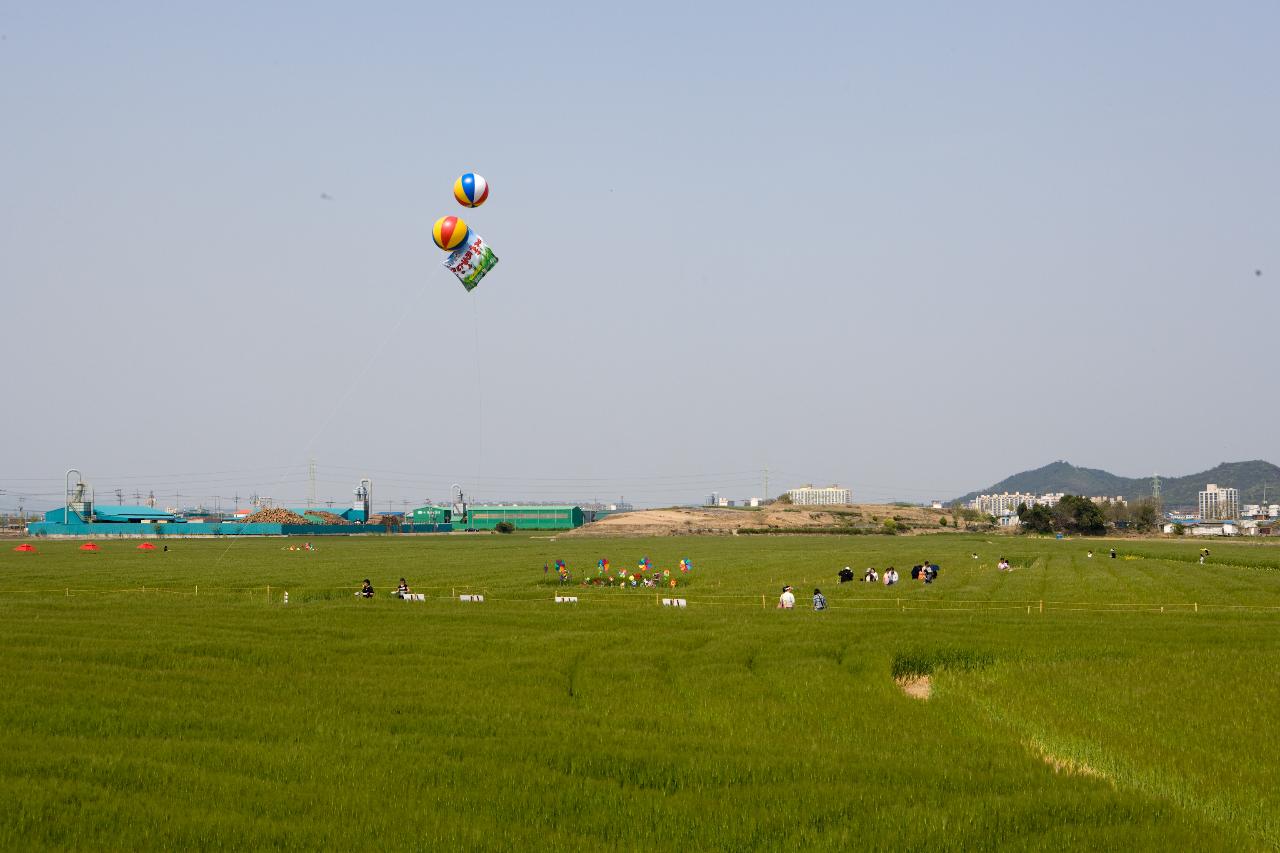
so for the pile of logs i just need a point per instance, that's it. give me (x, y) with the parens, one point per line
(275, 515)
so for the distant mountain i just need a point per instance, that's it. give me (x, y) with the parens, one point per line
(1249, 477)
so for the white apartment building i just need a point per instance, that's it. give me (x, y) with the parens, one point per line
(1219, 504)
(1005, 503)
(807, 495)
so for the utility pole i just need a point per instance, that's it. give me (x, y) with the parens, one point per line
(765, 496)
(311, 498)
(237, 500)
(137, 496)
(119, 497)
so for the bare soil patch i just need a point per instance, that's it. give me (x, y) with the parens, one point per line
(916, 686)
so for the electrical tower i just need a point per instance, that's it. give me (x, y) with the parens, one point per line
(311, 498)
(1155, 487)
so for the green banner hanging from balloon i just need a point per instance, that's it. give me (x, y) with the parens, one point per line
(471, 261)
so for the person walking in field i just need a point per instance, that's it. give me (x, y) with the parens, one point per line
(819, 600)
(787, 600)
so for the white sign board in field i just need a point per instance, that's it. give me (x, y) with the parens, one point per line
(674, 602)
(471, 598)
(566, 599)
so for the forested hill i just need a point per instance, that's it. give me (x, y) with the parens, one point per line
(1249, 477)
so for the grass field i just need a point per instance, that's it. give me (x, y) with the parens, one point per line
(1118, 704)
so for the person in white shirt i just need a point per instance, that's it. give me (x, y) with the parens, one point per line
(787, 600)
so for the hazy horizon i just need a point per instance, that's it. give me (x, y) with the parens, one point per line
(911, 251)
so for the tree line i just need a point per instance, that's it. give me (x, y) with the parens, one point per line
(1076, 514)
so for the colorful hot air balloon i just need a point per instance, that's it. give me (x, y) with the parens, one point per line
(449, 232)
(471, 190)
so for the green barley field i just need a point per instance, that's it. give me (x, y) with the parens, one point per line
(173, 700)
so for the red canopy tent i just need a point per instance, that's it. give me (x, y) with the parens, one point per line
(26, 548)
(89, 546)
(146, 546)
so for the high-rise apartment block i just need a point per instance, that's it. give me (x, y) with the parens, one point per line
(1219, 504)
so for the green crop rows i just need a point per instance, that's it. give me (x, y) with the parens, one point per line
(169, 700)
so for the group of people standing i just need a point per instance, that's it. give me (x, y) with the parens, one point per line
(889, 578)
(925, 572)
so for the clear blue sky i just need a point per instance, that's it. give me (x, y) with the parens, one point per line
(910, 248)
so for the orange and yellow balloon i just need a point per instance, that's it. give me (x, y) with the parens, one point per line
(449, 232)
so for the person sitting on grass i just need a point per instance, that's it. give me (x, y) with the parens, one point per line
(890, 576)
(787, 600)
(819, 600)
(1003, 565)
(846, 574)
(366, 591)
(869, 576)
(403, 589)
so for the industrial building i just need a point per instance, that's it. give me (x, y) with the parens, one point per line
(525, 517)
(80, 516)
(431, 515)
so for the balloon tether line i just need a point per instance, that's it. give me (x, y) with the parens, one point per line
(475, 306)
